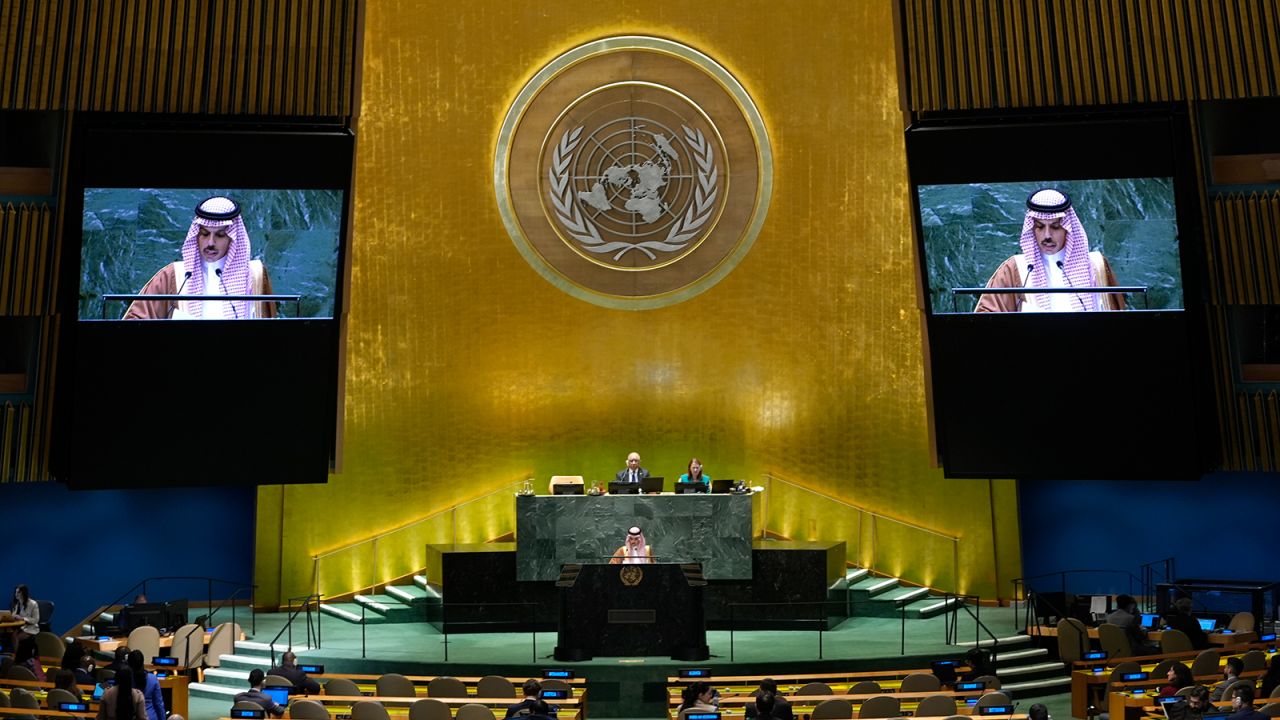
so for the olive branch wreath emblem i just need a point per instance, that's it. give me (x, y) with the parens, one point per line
(682, 230)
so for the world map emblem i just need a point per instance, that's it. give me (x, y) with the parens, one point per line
(633, 172)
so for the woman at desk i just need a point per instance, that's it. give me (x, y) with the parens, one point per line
(634, 551)
(694, 475)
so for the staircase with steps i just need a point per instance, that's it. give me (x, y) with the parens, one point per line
(1025, 670)
(396, 604)
(232, 676)
(881, 597)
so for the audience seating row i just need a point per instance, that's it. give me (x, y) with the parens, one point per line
(397, 685)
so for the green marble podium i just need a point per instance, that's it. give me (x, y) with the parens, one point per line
(714, 530)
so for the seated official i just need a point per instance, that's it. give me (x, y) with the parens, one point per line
(255, 694)
(1179, 677)
(1242, 704)
(532, 705)
(288, 669)
(698, 697)
(634, 551)
(1191, 707)
(694, 474)
(780, 709)
(632, 473)
(1230, 673)
(1180, 619)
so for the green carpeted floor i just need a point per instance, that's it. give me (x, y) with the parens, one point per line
(630, 687)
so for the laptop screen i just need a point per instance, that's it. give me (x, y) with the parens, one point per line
(1150, 620)
(1207, 624)
(280, 695)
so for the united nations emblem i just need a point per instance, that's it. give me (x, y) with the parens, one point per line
(631, 575)
(633, 172)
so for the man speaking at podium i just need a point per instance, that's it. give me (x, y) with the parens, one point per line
(215, 261)
(1055, 253)
(632, 473)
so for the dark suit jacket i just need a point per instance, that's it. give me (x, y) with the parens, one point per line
(781, 710)
(1188, 625)
(624, 473)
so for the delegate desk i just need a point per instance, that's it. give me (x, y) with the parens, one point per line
(1221, 639)
(573, 708)
(712, 529)
(109, 645)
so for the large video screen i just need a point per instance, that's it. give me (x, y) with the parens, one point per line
(133, 243)
(973, 238)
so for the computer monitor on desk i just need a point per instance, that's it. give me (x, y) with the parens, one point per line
(139, 614)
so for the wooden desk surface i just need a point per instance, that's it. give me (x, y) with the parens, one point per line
(675, 699)
(1220, 639)
(814, 677)
(4, 711)
(92, 642)
(450, 701)
(516, 681)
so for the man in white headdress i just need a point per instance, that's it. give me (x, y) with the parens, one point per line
(1055, 253)
(634, 551)
(215, 261)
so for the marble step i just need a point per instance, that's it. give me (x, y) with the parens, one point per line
(389, 608)
(1044, 686)
(211, 691)
(931, 606)
(225, 677)
(871, 587)
(889, 602)
(414, 595)
(350, 612)
(1006, 643)
(262, 649)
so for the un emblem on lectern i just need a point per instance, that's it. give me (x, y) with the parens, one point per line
(631, 575)
(633, 172)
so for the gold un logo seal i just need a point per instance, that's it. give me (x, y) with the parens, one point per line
(633, 172)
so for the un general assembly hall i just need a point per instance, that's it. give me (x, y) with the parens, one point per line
(720, 360)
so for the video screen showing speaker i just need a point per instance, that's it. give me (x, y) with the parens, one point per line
(203, 262)
(1051, 233)
(206, 244)
(1061, 264)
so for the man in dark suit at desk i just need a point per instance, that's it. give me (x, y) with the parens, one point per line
(781, 708)
(632, 473)
(288, 669)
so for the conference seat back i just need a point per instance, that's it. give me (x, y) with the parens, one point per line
(369, 710)
(1114, 641)
(472, 711)
(1254, 660)
(1206, 663)
(866, 687)
(495, 686)
(833, 709)
(1242, 622)
(920, 682)
(1175, 641)
(341, 686)
(881, 706)
(145, 639)
(937, 706)
(308, 710)
(815, 688)
(395, 685)
(1073, 640)
(429, 709)
(446, 687)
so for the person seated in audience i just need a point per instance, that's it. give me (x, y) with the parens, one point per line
(1242, 704)
(1180, 619)
(1192, 707)
(1126, 616)
(148, 684)
(28, 656)
(531, 702)
(288, 669)
(24, 608)
(766, 706)
(85, 673)
(1179, 677)
(1038, 712)
(1230, 673)
(120, 661)
(71, 657)
(122, 701)
(694, 474)
(698, 697)
(979, 662)
(255, 695)
(634, 550)
(1271, 679)
(781, 708)
(66, 680)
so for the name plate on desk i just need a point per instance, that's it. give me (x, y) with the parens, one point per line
(711, 529)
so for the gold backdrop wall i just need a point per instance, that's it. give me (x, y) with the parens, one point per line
(467, 372)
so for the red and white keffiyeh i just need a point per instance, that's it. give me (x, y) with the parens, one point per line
(213, 213)
(1049, 204)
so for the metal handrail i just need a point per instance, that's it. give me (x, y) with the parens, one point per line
(770, 478)
(1022, 587)
(240, 586)
(307, 601)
